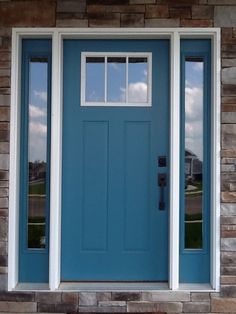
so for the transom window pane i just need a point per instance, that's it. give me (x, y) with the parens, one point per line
(95, 79)
(138, 83)
(116, 79)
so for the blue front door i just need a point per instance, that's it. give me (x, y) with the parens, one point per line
(112, 226)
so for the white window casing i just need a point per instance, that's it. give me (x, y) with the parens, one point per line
(57, 35)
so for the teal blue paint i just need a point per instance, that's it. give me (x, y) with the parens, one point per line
(195, 264)
(33, 263)
(112, 228)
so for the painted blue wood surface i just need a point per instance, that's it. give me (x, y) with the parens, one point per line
(112, 228)
(33, 263)
(195, 263)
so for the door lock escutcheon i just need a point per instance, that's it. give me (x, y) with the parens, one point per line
(162, 181)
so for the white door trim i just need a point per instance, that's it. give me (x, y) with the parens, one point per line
(57, 35)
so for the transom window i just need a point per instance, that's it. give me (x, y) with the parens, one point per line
(116, 79)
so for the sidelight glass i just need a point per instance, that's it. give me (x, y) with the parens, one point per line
(95, 79)
(194, 154)
(37, 152)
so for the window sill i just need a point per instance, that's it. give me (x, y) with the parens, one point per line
(115, 286)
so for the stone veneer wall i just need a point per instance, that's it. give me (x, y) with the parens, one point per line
(127, 13)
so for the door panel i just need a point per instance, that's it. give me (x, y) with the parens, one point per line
(112, 228)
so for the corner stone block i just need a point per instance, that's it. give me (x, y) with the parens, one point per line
(228, 220)
(228, 244)
(162, 22)
(228, 117)
(100, 309)
(126, 296)
(18, 307)
(4, 114)
(88, 298)
(4, 100)
(4, 161)
(223, 305)
(200, 296)
(17, 296)
(139, 307)
(132, 20)
(70, 297)
(166, 296)
(103, 296)
(228, 197)
(48, 297)
(225, 16)
(228, 258)
(71, 6)
(229, 76)
(196, 307)
(228, 270)
(3, 229)
(28, 13)
(3, 285)
(228, 291)
(171, 307)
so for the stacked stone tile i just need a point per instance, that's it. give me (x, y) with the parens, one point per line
(127, 13)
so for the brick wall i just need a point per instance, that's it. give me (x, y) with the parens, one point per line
(127, 13)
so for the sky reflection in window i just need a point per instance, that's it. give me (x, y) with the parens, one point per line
(116, 79)
(194, 153)
(37, 152)
(138, 69)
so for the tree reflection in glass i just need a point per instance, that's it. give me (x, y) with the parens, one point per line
(37, 153)
(194, 69)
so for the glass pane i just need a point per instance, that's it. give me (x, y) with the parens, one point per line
(138, 80)
(95, 79)
(194, 153)
(116, 77)
(37, 152)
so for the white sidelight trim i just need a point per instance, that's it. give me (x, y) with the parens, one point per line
(57, 35)
(174, 162)
(56, 164)
(215, 159)
(14, 171)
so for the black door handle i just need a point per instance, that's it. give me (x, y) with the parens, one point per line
(162, 183)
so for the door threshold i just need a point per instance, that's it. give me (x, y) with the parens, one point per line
(113, 286)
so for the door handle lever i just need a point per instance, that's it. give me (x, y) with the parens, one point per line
(162, 183)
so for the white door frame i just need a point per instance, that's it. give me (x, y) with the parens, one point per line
(57, 35)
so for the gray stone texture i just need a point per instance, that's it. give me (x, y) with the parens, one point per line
(229, 75)
(4, 161)
(87, 299)
(127, 13)
(225, 16)
(228, 244)
(228, 117)
(228, 136)
(199, 307)
(166, 296)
